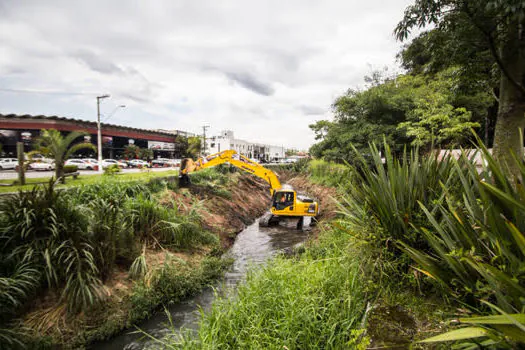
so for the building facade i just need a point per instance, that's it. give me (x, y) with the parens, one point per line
(226, 140)
(26, 128)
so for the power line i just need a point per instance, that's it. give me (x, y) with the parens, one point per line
(46, 92)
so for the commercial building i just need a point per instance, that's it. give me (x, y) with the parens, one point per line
(25, 128)
(226, 140)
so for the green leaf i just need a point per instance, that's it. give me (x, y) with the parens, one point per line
(494, 319)
(458, 334)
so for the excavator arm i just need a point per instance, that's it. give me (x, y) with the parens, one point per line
(235, 159)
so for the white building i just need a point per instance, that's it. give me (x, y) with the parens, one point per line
(226, 140)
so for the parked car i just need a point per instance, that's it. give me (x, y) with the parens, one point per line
(158, 163)
(139, 163)
(93, 163)
(81, 164)
(8, 163)
(42, 166)
(108, 162)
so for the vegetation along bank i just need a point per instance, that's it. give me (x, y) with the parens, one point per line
(82, 264)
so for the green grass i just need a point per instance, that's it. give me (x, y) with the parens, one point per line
(314, 302)
(87, 179)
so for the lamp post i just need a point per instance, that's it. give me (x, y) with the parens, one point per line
(204, 128)
(99, 133)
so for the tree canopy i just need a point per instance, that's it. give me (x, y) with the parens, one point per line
(408, 109)
(478, 34)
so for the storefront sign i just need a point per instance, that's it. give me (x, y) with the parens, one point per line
(161, 146)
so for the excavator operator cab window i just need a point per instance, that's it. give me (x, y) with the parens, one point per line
(283, 200)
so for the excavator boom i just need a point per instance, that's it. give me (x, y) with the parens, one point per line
(236, 160)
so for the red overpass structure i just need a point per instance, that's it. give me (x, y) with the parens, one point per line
(26, 128)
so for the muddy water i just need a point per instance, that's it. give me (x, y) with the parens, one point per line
(252, 247)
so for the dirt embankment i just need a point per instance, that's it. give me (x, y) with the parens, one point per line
(250, 199)
(227, 213)
(324, 195)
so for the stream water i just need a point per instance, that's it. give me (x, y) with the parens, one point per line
(252, 247)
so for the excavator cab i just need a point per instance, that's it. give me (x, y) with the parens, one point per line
(283, 200)
(287, 202)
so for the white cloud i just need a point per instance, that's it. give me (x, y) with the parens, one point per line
(265, 69)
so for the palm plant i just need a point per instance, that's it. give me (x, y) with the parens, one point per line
(51, 143)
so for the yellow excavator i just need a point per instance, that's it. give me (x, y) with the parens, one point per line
(286, 202)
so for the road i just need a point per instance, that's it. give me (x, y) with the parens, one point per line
(11, 174)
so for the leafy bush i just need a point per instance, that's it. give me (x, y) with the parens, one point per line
(44, 240)
(330, 173)
(68, 169)
(112, 234)
(463, 227)
(477, 250)
(112, 170)
(382, 204)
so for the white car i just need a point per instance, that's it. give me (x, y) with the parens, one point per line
(80, 163)
(8, 163)
(43, 166)
(108, 162)
(139, 163)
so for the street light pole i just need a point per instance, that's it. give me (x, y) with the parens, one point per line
(99, 133)
(204, 127)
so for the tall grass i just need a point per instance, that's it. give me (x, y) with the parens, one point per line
(330, 173)
(70, 241)
(314, 302)
(172, 282)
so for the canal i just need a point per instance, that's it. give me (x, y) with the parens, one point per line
(252, 247)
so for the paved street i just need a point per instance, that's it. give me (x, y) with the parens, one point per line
(11, 174)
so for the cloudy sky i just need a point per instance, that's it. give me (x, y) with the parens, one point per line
(265, 69)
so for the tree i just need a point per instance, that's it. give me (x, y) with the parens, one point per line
(146, 153)
(131, 152)
(194, 147)
(52, 144)
(476, 79)
(434, 121)
(501, 24)
(415, 109)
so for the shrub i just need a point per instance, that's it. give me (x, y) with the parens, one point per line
(477, 250)
(330, 173)
(112, 170)
(68, 169)
(45, 240)
(112, 235)
(382, 206)
(139, 268)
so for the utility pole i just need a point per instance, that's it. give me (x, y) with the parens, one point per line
(204, 128)
(21, 170)
(99, 133)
